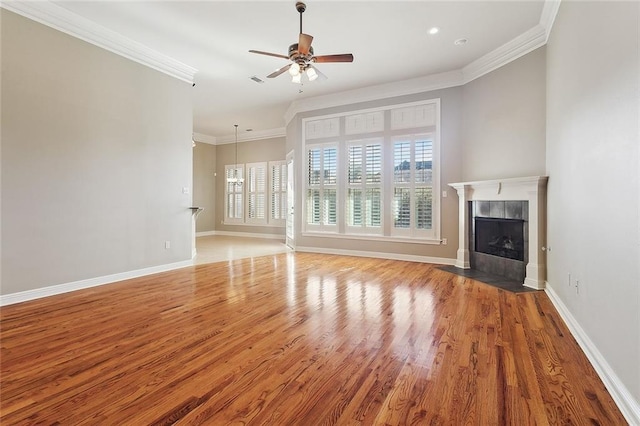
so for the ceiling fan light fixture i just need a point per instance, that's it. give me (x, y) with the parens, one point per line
(294, 69)
(301, 56)
(311, 74)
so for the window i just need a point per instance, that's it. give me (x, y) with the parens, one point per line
(364, 187)
(234, 206)
(322, 178)
(256, 183)
(261, 199)
(278, 183)
(383, 185)
(413, 185)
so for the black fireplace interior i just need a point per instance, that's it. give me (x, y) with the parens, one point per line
(500, 237)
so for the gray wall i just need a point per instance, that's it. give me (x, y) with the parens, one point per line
(504, 121)
(95, 152)
(492, 127)
(593, 109)
(204, 185)
(248, 152)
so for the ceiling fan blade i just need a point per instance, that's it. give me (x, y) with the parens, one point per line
(345, 57)
(259, 52)
(304, 43)
(279, 71)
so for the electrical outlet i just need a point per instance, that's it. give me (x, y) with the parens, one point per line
(444, 241)
(444, 194)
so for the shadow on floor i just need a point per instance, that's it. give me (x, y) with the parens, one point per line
(489, 279)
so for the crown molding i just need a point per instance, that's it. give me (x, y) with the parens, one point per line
(279, 132)
(372, 93)
(548, 16)
(61, 19)
(508, 52)
(201, 137)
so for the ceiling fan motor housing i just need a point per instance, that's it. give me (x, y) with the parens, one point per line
(294, 55)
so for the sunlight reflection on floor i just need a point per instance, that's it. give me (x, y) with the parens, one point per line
(218, 248)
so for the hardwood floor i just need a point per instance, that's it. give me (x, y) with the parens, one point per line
(296, 338)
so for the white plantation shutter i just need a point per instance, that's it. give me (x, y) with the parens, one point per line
(278, 190)
(234, 206)
(330, 165)
(322, 191)
(424, 183)
(413, 185)
(256, 184)
(355, 164)
(363, 200)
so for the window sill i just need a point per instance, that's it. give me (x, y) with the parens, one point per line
(259, 225)
(369, 237)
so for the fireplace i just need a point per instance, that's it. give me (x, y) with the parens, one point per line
(515, 248)
(500, 237)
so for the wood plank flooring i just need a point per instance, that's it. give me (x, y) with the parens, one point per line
(300, 339)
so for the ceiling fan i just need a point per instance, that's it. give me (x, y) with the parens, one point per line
(302, 57)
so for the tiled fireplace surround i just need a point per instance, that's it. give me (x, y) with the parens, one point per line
(516, 198)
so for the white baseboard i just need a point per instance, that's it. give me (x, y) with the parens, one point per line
(240, 234)
(378, 255)
(205, 233)
(24, 296)
(629, 407)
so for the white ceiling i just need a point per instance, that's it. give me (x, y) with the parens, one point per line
(389, 40)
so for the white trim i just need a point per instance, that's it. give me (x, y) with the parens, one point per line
(508, 52)
(256, 135)
(533, 189)
(201, 137)
(548, 16)
(623, 398)
(61, 19)
(261, 225)
(377, 255)
(373, 237)
(23, 296)
(373, 93)
(205, 233)
(240, 234)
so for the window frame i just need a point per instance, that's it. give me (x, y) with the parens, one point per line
(419, 119)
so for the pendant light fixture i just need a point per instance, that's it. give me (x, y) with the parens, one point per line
(235, 179)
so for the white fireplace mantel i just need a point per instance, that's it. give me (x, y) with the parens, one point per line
(532, 189)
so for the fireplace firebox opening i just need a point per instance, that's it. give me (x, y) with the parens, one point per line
(500, 237)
